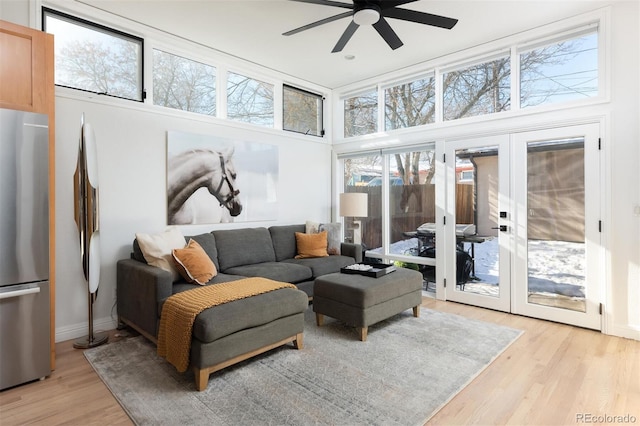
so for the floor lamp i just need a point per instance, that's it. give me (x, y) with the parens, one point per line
(354, 204)
(85, 188)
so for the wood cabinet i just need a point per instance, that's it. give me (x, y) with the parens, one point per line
(27, 84)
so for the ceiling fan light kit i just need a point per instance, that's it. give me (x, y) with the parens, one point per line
(374, 12)
(368, 16)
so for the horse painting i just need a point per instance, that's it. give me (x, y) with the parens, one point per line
(193, 170)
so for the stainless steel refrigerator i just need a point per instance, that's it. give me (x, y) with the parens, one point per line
(24, 248)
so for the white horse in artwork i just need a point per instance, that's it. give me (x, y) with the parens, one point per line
(192, 170)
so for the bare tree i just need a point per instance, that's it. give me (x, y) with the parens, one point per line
(302, 112)
(249, 100)
(93, 66)
(183, 84)
(476, 90)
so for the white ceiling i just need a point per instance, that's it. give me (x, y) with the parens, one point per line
(252, 30)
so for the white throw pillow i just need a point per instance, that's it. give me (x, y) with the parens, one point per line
(157, 249)
(312, 227)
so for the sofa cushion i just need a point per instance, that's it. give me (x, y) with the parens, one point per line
(222, 320)
(243, 247)
(284, 240)
(184, 286)
(194, 264)
(278, 271)
(323, 265)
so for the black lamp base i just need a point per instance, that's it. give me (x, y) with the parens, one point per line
(97, 340)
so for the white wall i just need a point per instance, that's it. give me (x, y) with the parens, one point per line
(623, 307)
(131, 144)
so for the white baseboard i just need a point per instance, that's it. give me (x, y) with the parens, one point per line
(76, 331)
(627, 331)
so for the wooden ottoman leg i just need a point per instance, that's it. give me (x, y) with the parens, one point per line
(416, 311)
(319, 319)
(298, 343)
(363, 333)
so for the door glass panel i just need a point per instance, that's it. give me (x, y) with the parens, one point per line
(555, 226)
(477, 221)
(412, 207)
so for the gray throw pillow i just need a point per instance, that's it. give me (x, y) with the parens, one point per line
(333, 236)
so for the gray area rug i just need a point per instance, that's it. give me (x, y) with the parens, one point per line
(402, 375)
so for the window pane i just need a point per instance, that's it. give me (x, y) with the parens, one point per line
(410, 104)
(249, 100)
(412, 201)
(302, 111)
(560, 72)
(556, 224)
(93, 58)
(360, 175)
(478, 90)
(361, 114)
(183, 84)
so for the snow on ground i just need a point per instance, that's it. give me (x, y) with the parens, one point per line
(555, 267)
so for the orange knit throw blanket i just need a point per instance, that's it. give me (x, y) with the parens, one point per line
(180, 311)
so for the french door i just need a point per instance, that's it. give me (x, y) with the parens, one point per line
(522, 229)
(478, 261)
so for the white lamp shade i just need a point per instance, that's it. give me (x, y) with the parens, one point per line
(353, 204)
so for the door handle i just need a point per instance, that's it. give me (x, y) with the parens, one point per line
(502, 228)
(21, 292)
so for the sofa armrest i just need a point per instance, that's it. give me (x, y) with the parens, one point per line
(140, 288)
(352, 250)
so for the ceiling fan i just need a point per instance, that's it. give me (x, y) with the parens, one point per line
(374, 12)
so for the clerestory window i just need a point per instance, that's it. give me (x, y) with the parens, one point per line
(95, 58)
(183, 84)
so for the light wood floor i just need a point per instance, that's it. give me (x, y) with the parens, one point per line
(549, 376)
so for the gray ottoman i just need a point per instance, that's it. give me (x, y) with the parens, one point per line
(361, 301)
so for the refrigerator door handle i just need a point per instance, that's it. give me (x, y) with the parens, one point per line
(17, 293)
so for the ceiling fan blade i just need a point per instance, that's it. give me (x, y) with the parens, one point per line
(388, 4)
(346, 36)
(421, 17)
(328, 3)
(318, 23)
(384, 29)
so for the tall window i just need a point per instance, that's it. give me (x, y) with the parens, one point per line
(361, 114)
(249, 100)
(411, 192)
(183, 84)
(412, 202)
(94, 58)
(477, 90)
(560, 72)
(302, 111)
(410, 104)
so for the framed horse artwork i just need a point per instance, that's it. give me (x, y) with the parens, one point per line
(218, 180)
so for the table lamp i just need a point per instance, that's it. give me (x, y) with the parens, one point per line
(354, 204)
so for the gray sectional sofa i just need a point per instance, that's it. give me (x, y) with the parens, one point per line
(235, 330)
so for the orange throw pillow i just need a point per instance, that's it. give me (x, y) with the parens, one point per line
(194, 264)
(311, 245)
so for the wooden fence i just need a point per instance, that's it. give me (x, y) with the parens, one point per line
(410, 207)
